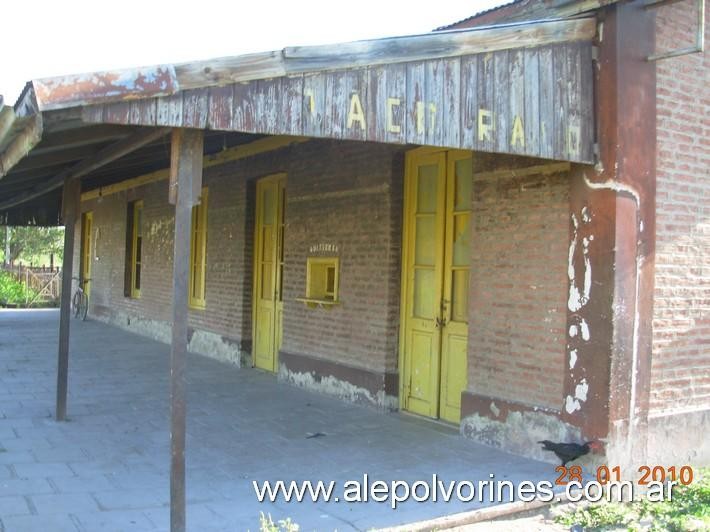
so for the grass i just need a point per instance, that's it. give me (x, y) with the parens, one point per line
(266, 524)
(13, 292)
(689, 510)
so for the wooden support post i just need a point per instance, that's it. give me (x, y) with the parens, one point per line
(185, 178)
(70, 207)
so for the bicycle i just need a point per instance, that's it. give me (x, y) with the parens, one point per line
(80, 300)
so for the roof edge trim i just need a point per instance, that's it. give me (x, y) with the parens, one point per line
(80, 89)
(19, 135)
(165, 80)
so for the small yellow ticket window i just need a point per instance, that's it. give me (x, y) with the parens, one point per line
(322, 279)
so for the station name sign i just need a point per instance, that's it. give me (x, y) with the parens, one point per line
(527, 101)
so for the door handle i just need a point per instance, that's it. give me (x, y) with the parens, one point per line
(440, 322)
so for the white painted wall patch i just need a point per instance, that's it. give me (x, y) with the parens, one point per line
(571, 404)
(585, 330)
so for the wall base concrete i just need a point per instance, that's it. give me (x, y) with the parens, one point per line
(201, 342)
(679, 439)
(517, 428)
(520, 432)
(355, 385)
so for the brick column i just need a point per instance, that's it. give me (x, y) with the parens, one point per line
(611, 247)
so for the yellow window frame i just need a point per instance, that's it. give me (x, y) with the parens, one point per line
(135, 263)
(198, 253)
(322, 278)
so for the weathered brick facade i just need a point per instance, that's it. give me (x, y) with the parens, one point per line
(346, 194)
(518, 297)
(680, 355)
(680, 377)
(349, 195)
(518, 303)
(228, 268)
(682, 301)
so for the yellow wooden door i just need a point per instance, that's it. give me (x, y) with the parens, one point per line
(425, 190)
(87, 223)
(435, 282)
(454, 303)
(268, 271)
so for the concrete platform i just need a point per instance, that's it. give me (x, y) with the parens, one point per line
(107, 468)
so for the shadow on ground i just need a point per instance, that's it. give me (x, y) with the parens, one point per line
(108, 467)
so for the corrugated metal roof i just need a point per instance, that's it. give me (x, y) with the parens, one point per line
(479, 14)
(528, 10)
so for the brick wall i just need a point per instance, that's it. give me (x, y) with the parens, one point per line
(227, 248)
(681, 326)
(348, 194)
(518, 285)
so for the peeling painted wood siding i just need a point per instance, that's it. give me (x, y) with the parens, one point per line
(531, 101)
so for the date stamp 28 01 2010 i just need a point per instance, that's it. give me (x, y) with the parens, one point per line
(646, 474)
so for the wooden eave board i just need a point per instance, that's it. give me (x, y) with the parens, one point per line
(528, 101)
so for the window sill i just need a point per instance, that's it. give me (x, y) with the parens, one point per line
(317, 303)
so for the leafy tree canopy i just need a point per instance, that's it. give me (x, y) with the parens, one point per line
(33, 244)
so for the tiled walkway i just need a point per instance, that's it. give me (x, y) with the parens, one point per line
(107, 469)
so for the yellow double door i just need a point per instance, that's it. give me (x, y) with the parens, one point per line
(268, 271)
(435, 281)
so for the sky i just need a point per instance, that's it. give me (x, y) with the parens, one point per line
(47, 38)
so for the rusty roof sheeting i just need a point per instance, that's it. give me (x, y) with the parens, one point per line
(478, 14)
(78, 89)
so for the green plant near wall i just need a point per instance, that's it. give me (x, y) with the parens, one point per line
(266, 524)
(13, 292)
(689, 510)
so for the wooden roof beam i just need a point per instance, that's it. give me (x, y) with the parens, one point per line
(35, 160)
(235, 153)
(303, 59)
(19, 143)
(81, 136)
(99, 159)
(437, 45)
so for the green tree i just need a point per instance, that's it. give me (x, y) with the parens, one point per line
(32, 244)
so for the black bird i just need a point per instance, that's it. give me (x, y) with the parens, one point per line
(568, 451)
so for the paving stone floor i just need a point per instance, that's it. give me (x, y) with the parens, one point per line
(107, 468)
